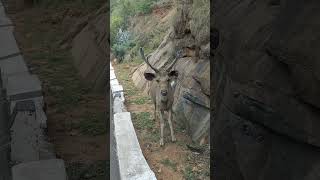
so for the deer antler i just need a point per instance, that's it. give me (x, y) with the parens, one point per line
(178, 55)
(146, 60)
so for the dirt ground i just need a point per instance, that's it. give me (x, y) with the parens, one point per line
(76, 117)
(173, 161)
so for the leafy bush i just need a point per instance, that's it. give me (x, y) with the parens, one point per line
(119, 51)
(121, 42)
(144, 6)
(122, 10)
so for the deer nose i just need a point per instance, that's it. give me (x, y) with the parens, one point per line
(164, 92)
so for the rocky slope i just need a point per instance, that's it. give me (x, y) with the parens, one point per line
(267, 90)
(89, 47)
(189, 32)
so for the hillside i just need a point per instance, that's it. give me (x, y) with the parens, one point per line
(169, 26)
(47, 32)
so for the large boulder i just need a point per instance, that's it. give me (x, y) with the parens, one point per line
(191, 105)
(266, 79)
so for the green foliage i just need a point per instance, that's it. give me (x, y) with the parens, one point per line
(167, 162)
(188, 174)
(93, 124)
(141, 100)
(88, 171)
(122, 10)
(143, 120)
(119, 51)
(143, 6)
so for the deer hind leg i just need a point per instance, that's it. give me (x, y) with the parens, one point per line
(173, 138)
(161, 127)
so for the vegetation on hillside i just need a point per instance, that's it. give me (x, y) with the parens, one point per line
(76, 115)
(123, 40)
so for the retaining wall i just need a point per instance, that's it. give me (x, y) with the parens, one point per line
(23, 122)
(127, 160)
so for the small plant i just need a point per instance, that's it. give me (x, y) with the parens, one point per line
(92, 124)
(143, 120)
(188, 173)
(140, 100)
(91, 171)
(144, 6)
(167, 162)
(119, 51)
(154, 136)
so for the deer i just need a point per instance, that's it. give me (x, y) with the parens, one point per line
(162, 92)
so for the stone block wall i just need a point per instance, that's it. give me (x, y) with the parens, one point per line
(127, 160)
(23, 122)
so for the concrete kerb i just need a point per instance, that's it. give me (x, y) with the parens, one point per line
(8, 45)
(129, 157)
(29, 144)
(4, 20)
(13, 65)
(132, 164)
(112, 75)
(53, 169)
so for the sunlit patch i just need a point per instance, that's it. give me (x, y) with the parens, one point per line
(173, 83)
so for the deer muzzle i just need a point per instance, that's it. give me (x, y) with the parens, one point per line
(164, 92)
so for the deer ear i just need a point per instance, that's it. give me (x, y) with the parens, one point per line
(173, 73)
(149, 76)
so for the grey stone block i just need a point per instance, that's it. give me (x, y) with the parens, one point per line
(2, 10)
(25, 133)
(29, 141)
(118, 105)
(8, 45)
(116, 88)
(112, 75)
(132, 164)
(4, 20)
(111, 68)
(46, 149)
(53, 169)
(117, 91)
(13, 65)
(23, 86)
(114, 82)
(41, 117)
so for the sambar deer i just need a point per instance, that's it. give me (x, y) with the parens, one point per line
(162, 92)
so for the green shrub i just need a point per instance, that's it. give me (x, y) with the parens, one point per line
(119, 51)
(144, 6)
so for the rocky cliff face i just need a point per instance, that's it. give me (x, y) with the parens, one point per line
(190, 33)
(267, 90)
(90, 48)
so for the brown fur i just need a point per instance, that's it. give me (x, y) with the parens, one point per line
(162, 93)
(162, 103)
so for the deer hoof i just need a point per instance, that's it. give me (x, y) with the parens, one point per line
(174, 139)
(161, 142)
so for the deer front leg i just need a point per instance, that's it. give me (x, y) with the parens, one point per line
(155, 112)
(161, 127)
(173, 138)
